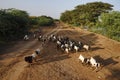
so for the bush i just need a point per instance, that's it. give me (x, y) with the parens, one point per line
(45, 21)
(13, 24)
(109, 25)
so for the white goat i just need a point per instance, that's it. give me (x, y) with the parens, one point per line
(66, 45)
(58, 42)
(76, 48)
(62, 47)
(86, 47)
(67, 50)
(26, 37)
(81, 58)
(37, 51)
(34, 55)
(94, 63)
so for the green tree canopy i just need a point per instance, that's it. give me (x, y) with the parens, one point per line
(45, 21)
(13, 23)
(110, 24)
(85, 14)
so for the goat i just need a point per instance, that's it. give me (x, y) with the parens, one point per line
(37, 51)
(40, 38)
(67, 50)
(94, 63)
(58, 44)
(76, 48)
(28, 59)
(86, 47)
(35, 54)
(83, 59)
(32, 57)
(26, 37)
(80, 44)
(63, 47)
(66, 45)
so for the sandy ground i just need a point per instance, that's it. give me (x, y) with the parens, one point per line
(54, 64)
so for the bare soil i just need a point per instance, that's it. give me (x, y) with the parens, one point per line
(54, 64)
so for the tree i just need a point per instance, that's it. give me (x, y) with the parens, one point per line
(85, 14)
(66, 17)
(13, 24)
(45, 21)
(110, 24)
(33, 20)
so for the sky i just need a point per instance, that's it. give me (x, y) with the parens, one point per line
(52, 8)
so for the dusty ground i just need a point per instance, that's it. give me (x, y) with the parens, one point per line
(55, 65)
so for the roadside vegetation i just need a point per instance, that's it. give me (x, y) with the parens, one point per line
(14, 24)
(98, 17)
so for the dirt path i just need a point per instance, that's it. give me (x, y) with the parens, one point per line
(55, 65)
(11, 70)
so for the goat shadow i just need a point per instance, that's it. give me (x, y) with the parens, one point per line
(96, 48)
(115, 74)
(105, 62)
(48, 59)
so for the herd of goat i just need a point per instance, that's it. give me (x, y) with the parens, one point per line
(65, 44)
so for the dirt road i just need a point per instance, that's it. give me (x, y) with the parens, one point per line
(55, 65)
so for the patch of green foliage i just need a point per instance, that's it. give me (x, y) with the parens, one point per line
(109, 25)
(97, 17)
(41, 21)
(13, 24)
(85, 14)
